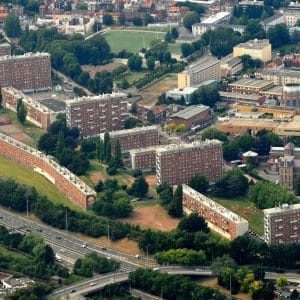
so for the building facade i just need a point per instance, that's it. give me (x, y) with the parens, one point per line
(291, 96)
(97, 114)
(28, 72)
(207, 68)
(279, 76)
(177, 164)
(37, 113)
(281, 224)
(143, 159)
(257, 49)
(139, 137)
(249, 86)
(72, 186)
(219, 219)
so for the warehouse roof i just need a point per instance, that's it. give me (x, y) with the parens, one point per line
(190, 111)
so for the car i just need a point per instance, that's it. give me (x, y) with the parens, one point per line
(103, 248)
(39, 230)
(28, 230)
(83, 245)
(73, 291)
(58, 237)
(137, 256)
(198, 270)
(92, 283)
(108, 257)
(1, 217)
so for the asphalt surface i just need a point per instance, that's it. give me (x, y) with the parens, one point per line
(68, 247)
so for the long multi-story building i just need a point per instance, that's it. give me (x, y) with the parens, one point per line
(72, 186)
(143, 159)
(249, 86)
(279, 76)
(281, 224)
(139, 137)
(257, 49)
(97, 114)
(177, 164)
(37, 113)
(28, 72)
(207, 68)
(219, 219)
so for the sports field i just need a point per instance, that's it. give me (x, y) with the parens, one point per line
(131, 41)
(10, 169)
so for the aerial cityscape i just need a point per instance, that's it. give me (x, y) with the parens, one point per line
(150, 149)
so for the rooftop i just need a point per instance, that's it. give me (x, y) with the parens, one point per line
(145, 150)
(26, 55)
(216, 17)
(227, 214)
(251, 2)
(202, 64)
(240, 96)
(274, 90)
(190, 111)
(188, 146)
(284, 208)
(130, 131)
(54, 105)
(254, 44)
(251, 83)
(282, 72)
(96, 98)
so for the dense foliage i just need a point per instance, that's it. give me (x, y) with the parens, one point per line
(173, 287)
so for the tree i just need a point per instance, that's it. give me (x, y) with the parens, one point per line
(193, 223)
(233, 184)
(186, 49)
(12, 26)
(134, 63)
(297, 185)
(175, 208)
(199, 183)
(96, 26)
(150, 63)
(221, 263)
(174, 33)
(231, 151)
(206, 95)
(100, 150)
(122, 19)
(254, 30)
(108, 155)
(148, 19)
(139, 188)
(99, 186)
(295, 295)
(137, 21)
(60, 146)
(278, 35)
(21, 112)
(189, 19)
(108, 20)
(168, 37)
(282, 282)
(165, 194)
(245, 142)
(118, 162)
(214, 133)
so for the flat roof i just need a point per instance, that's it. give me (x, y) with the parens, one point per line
(216, 17)
(254, 44)
(203, 63)
(190, 111)
(131, 131)
(54, 105)
(284, 208)
(251, 83)
(282, 72)
(85, 99)
(276, 89)
(240, 96)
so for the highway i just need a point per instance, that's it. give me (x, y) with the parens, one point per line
(68, 247)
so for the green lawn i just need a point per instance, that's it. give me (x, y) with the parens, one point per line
(131, 41)
(23, 175)
(174, 48)
(248, 211)
(131, 77)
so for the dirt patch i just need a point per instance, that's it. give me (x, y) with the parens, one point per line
(150, 93)
(154, 217)
(92, 70)
(128, 180)
(213, 283)
(151, 180)
(242, 211)
(96, 176)
(21, 137)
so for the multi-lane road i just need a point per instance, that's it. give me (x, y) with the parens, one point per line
(68, 247)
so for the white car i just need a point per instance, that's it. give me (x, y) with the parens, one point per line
(92, 283)
(84, 245)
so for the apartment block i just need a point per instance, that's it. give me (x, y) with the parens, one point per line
(249, 86)
(279, 76)
(291, 96)
(28, 72)
(72, 186)
(219, 219)
(5, 49)
(257, 49)
(38, 113)
(139, 137)
(143, 159)
(281, 224)
(207, 68)
(177, 164)
(97, 114)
